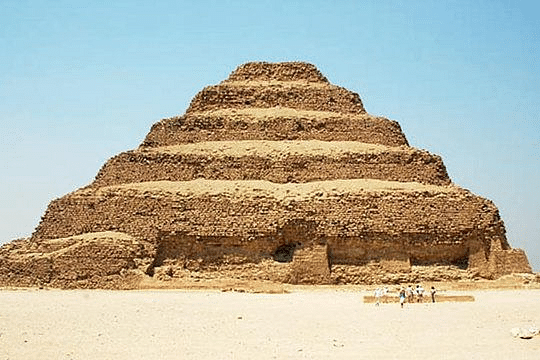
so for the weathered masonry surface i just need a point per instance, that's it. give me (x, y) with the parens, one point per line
(273, 174)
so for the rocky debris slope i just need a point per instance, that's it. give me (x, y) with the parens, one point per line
(103, 259)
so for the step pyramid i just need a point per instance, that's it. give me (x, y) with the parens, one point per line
(273, 174)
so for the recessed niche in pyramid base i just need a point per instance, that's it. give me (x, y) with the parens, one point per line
(274, 174)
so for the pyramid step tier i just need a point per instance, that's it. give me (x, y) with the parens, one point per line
(276, 161)
(295, 95)
(359, 219)
(285, 71)
(274, 124)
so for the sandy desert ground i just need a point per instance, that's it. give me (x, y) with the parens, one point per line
(305, 323)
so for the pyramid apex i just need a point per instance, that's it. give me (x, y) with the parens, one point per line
(279, 71)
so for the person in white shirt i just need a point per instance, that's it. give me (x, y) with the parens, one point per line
(420, 293)
(378, 293)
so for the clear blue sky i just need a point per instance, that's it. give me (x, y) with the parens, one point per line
(81, 81)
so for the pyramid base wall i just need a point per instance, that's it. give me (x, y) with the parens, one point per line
(506, 262)
(368, 237)
(268, 270)
(118, 267)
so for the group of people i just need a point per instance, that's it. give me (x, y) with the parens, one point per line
(407, 294)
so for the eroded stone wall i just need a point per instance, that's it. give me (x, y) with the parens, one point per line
(319, 98)
(504, 261)
(435, 228)
(310, 265)
(290, 71)
(405, 166)
(92, 260)
(198, 127)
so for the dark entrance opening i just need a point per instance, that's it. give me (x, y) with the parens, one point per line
(284, 253)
